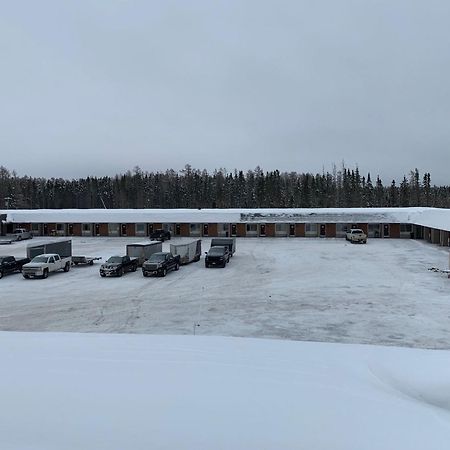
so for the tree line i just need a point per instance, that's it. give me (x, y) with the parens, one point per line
(193, 188)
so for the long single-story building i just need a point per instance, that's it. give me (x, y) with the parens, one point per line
(431, 224)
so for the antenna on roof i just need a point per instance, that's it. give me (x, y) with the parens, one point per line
(103, 203)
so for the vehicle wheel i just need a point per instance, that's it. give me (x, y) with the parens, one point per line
(67, 267)
(45, 274)
(31, 236)
(91, 263)
(145, 274)
(177, 267)
(120, 273)
(134, 269)
(76, 263)
(197, 258)
(224, 264)
(102, 275)
(26, 276)
(164, 273)
(1, 274)
(19, 238)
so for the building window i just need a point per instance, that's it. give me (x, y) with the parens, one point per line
(280, 228)
(311, 227)
(194, 228)
(140, 228)
(113, 228)
(35, 227)
(252, 228)
(405, 228)
(86, 227)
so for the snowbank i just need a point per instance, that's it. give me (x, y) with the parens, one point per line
(88, 391)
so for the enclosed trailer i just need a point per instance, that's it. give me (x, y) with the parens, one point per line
(229, 242)
(188, 252)
(143, 250)
(62, 248)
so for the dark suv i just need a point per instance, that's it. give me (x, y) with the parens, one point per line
(217, 256)
(160, 235)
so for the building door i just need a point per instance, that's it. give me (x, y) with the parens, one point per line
(45, 229)
(262, 229)
(233, 229)
(70, 229)
(97, 229)
(177, 229)
(123, 229)
(292, 229)
(322, 230)
(150, 229)
(386, 230)
(205, 229)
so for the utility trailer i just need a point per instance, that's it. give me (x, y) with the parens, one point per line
(63, 248)
(188, 252)
(87, 260)
(5, 241)
(143, 250)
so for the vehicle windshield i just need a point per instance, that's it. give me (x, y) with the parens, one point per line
(357, 231)
(114, 260)
(40, 259)
(157, 257)
(216, 251)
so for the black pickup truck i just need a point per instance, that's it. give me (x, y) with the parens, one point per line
(160, 235)
(217, 256)
(9, 264)
(118, 265)
(160, 263)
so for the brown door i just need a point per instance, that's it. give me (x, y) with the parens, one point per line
(292, 229)
(262, 230)
(322, 230)
(205, 229)
(233, 229)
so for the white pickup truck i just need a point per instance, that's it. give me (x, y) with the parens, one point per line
(356, 235)
(20, 233)
(41, 265)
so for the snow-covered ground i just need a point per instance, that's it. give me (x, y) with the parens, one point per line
(72, 391)
(297, 289)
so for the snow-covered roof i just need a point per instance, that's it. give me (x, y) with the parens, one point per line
(430, 217)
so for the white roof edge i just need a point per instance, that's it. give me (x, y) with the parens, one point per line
(430, 217)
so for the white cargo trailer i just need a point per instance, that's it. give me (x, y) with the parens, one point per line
(188, 252)
(143, 250)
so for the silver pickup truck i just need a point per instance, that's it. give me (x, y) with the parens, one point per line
(20, 233)
(356, 235)
(40, 266)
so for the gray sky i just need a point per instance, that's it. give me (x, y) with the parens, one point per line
(98, 87)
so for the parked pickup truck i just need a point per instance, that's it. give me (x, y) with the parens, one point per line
(21, 233)
(356, 235)
(9, 264)
(160, 263)
(217, 256)
(160, 235)
(41, 265)
(118, 265)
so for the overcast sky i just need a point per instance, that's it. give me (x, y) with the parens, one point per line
(98, 87)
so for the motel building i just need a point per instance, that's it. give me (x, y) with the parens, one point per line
(430, 224)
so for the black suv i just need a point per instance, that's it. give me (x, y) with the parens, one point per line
(217, 256)
(160, 235)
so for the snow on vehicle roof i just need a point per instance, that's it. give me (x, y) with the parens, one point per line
(431, 217)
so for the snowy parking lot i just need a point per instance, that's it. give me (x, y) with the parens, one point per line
(299, 289)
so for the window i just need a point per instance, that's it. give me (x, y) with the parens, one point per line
(113, 228)
(280, 227)
(86, 227)
(194, 228)
(34, 227)
(311, 227)
(405, 228)
(140, 228)
(59, 227)
(252, 227)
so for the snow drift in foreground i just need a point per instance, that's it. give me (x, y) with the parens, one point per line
(89, 391)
